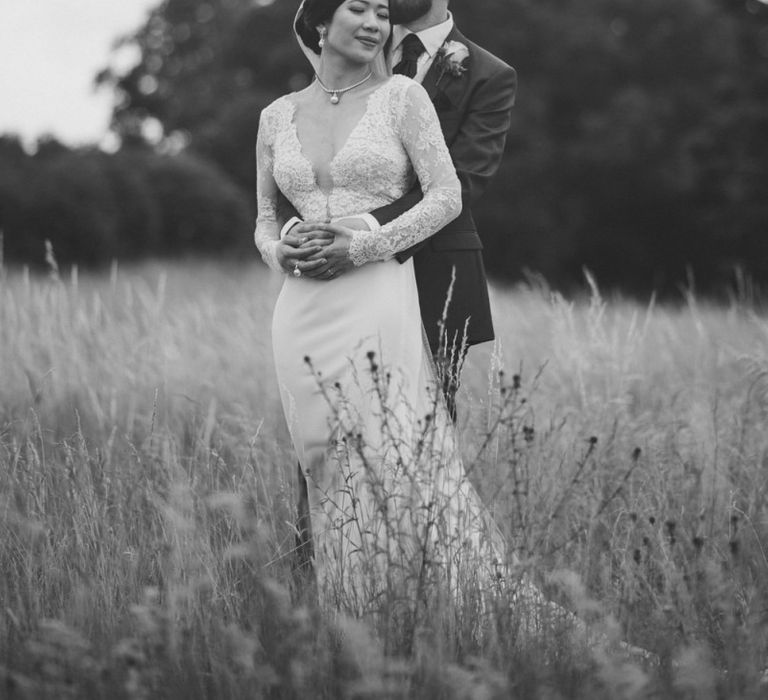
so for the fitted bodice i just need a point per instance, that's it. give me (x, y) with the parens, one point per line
(371, 169)
(396, 141)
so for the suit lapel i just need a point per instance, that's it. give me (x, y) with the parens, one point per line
(437, 78)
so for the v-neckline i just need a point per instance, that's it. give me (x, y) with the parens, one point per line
(302, 152)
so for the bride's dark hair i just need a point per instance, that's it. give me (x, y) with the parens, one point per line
(314, 13)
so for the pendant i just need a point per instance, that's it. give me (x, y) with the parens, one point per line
(334, 98)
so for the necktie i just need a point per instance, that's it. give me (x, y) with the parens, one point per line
(412, 49)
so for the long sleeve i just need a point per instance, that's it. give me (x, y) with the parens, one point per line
(267, 233)
(477, 141)
(419, 130)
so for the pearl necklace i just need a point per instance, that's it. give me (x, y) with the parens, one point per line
(336, 94)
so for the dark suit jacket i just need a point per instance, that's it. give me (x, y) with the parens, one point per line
(475, 113)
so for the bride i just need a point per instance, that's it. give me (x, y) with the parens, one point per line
(396, 525)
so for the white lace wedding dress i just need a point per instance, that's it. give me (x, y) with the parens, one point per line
(398, 530)
(391, 509)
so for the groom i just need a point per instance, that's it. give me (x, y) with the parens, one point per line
(473, 93)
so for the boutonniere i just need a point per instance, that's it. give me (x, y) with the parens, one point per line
(451, 57)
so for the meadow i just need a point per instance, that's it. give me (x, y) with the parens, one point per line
(147, 497)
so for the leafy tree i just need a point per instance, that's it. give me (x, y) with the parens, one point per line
(207, 69)
(605, 166)
(94, 207)
(200, 209)
(638, 146)
(16, 197)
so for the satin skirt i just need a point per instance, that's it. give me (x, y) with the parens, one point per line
(391, 507)
(323, 336)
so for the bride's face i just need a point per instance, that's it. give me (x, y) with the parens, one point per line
(359, 29)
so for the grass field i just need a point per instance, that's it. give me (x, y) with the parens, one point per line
(146, 497)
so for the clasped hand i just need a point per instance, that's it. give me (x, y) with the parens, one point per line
(319, 250)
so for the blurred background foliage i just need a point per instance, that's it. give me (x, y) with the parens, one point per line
(639, 145)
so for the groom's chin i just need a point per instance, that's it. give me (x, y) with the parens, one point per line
(406, 11)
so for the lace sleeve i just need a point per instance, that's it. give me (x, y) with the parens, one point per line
(267, 233)
(420, 132)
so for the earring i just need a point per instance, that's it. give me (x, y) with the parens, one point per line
(321, 41)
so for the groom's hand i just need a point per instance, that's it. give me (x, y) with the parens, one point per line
(335, 239)
(312, 235)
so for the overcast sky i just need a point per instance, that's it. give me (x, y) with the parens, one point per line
(50, 51)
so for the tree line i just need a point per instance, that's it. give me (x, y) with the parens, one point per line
(95, 207)
(639, 144)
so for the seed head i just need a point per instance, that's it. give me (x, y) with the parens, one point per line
(671, 526)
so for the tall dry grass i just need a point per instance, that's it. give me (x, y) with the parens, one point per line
(146, 498)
